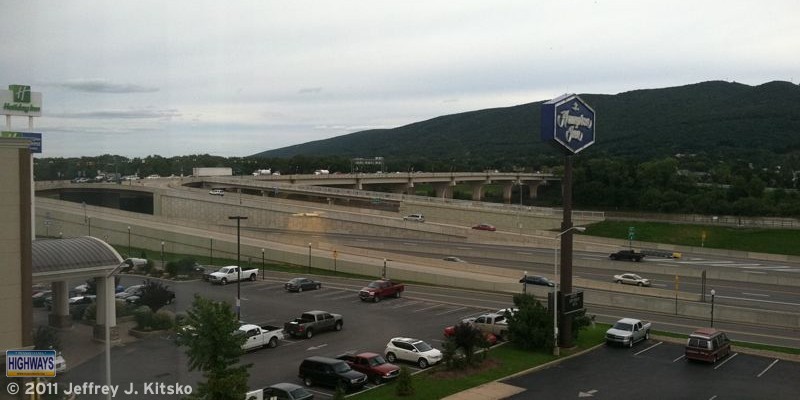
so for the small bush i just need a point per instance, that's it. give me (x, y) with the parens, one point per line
(123, 308)
(90, 314)
(76, 311)
(404, 386)
(46, 338)
(163, 319)
(144, 317)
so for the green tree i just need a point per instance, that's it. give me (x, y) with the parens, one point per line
(214, 350)
(531, 327)
(467, 338)
(155, 295)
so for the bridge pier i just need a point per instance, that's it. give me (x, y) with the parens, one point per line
(444, 190)
(507, 188)
(477, 191)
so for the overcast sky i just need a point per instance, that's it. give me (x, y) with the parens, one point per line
(233, 78)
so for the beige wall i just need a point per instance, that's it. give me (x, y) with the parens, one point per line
(13, 203)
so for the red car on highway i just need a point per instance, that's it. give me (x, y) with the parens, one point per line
(485, 227)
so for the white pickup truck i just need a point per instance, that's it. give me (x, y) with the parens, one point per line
(231, 274)
(260, 336)
(628, 331)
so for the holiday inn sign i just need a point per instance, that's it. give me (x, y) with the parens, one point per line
(19, 100)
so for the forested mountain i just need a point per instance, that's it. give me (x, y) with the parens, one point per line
(718, 119)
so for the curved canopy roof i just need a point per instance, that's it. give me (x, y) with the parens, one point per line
(72, 258)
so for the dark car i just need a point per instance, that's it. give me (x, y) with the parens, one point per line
(137, 298)
(536, 280)
(629, 255)
(287, 391)
(316, 370)
(485, 227)
(300, 284)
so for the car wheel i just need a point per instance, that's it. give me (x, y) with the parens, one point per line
(224, 281)
(639, 284)
(376, 298)
(647, 335)
(308, 382)
(338, 326)
(300, 289)
(252, 277)
(637, 259)
(620, 282)
(273, 342)
(423, 363)
(309, 333)
(715, 360)
(391, 357)
(396, 295)
(376, 379)
(319, 286)
(613, 257)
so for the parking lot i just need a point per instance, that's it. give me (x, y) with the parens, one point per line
(367, 327)
(657, 370)
(652, 369)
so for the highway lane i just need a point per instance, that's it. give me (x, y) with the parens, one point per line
(753, 295)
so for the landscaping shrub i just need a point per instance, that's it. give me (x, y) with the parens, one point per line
(144, 317)
(163, 319)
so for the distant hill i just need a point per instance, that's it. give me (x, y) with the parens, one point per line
(716, 118)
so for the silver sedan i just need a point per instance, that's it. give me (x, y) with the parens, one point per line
(631, 279)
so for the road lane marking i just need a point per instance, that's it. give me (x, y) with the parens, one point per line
(767, 369)
(755, 294)
(636, 354)
(755, 272)
(409, 244)
(464, 248)
(726, 360)
(524, 253)
(760, 301)
(679, 358)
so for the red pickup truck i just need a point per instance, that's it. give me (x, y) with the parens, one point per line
(373, 365)
(376, 290)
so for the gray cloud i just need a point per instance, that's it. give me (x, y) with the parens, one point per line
(104, 86)
(311, 90)
(122, 114)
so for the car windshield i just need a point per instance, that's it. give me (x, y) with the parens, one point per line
(377, 360)
(341, 367)
(374, 285)
(296, 280)
(422, 346)
(299, 393)
(623, 326)
(637, 277)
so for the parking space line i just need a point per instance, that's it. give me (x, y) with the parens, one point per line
(451, 311)
(712, 397)
(319, 392)
(343, 297)
(726, 360)
(428, 308)
(767, 369)
(679, 358)
(405, 304)
(642, 351)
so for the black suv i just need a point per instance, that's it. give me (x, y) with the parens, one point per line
(326, 371)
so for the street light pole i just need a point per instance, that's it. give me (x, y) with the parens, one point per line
(713, 292)
(556, 350)
(238, 267)
(162, 254)
(109, 302)
(309, 258)
(525, 282)
(262, 264)
(129, 242)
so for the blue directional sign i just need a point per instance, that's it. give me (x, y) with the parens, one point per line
(568, 123)
(35, 138)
